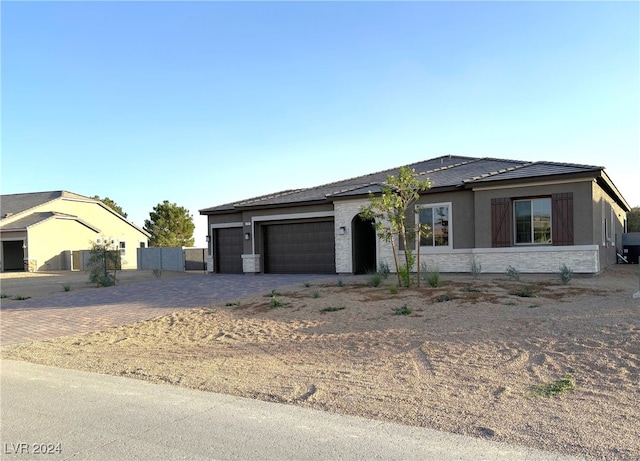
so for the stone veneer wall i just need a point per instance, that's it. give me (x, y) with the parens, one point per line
(548, 259)
(345, 211)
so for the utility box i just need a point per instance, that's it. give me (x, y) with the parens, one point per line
(631, 246)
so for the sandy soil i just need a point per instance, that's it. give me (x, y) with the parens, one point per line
(465, 365)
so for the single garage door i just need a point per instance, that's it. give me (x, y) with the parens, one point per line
(300, 248)
(228, 255)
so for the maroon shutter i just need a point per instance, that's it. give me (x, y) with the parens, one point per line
(562, 219)
(500, 222)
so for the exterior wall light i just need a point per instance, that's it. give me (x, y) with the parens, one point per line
(342, 230)
(208, 238)
(247, 235)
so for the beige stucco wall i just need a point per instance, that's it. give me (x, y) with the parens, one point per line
(49, 239)
(613, 218)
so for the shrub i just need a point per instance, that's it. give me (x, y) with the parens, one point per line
(340, 283)
(21, 298)
(275, 302)
(66, 287)
(4, 295)
(404, 310)
(315, 294)
(525, 291)
(444, 298)
(375, 278)
(513, 273)
(565, 274)
(157, 273)
(554, 388)
(476, 268)
(405, 275)
(431, 276)
(393, 289)
(384, 270)
(332, 309)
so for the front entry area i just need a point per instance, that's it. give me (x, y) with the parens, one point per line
(363, 245)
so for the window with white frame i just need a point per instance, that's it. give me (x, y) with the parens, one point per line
(438, 218)
(123, 248)
(532, 221)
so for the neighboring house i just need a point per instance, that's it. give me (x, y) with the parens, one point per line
(534, 216)
(47, 230)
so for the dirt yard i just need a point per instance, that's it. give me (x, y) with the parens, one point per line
(465, 358)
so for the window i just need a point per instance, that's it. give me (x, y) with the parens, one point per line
(123, 248)
(533, 221)
(437, 217)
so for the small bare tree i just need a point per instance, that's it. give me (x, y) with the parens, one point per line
(103, 257)
(389, 212)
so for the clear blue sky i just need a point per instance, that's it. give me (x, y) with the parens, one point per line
(205, 103)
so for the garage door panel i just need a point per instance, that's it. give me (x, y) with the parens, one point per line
(229, 250)
(300, 247)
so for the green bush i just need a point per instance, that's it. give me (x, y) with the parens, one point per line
(513, 273)
(554, 388)
(476, 269)
(525, 291)
(565, 274)
(404, 310)
(384, 270)
(374, 279)
(393, 289)
(430, 276)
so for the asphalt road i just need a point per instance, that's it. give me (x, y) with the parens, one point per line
(54, 414)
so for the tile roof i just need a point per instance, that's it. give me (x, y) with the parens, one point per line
(448, 171)
(40, 217)
(12, 204)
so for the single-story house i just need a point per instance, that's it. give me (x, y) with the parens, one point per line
(48, 230)
(533, 216)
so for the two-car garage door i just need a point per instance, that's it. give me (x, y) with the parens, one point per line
(299, 248)
(287, 248)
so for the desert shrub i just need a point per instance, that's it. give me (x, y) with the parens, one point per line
(157, 273)
(66, 287)
(275, 302)
(554, 388)
(340, 283)
(404, 310)
(565, 274)
(315, 294)
(476, 269)
(4, 295)
(374, 279)
(470, 289)
(21, 298)
(307, 284)
(443, 298)
(430, 275)
(383, 269)
(393, 289)
(332, 309)
(104, 261)
(405, 275)
(525, 291)
(513, 273)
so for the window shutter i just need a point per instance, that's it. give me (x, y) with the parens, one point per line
(500, 222)
(562, 219)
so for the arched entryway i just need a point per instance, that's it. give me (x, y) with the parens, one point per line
(363, 245)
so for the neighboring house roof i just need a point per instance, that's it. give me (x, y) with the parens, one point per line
(38, 218)
(13, 205)
(17, 203)
(446, 172)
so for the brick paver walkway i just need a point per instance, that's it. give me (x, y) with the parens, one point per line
(69, 313)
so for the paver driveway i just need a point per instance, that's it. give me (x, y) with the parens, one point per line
(71, 312)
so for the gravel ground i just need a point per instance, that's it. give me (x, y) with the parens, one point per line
(465, 358)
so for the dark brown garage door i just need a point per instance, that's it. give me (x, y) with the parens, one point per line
(300, 248)
(229, 250)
